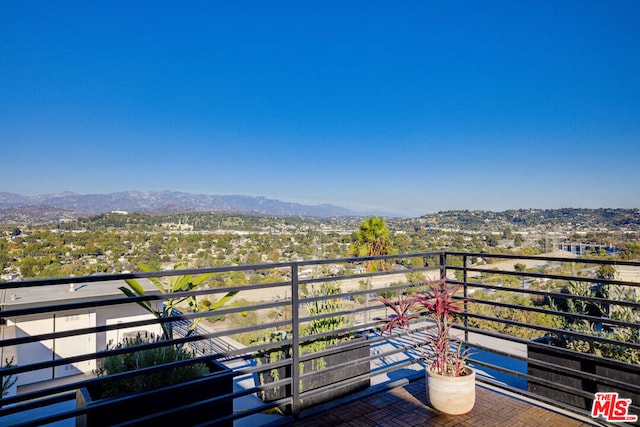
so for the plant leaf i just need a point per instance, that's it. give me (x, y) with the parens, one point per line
(222, 301)
(181, 284)
(135, 286)
(201, 278)
(144, 304)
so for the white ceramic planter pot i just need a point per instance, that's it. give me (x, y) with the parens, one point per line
(451, 395)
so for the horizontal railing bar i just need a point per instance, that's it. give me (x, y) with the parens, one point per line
(97, 355)
(558, 295)
(359, 260)
(541, 363)
(352, 276)
(544, 258)
(153, 296)
(605, 320)
(8, 408)
(325, 316)
(105, 328)
(339, 348)
(553, 330)
(570, 353)
(144, 275)
(314, 298)
(533, 343)
(114, 377)
(365, 275)
(107, 402)
(310, 299)
(545, 276)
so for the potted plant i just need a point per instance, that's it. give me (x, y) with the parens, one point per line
(148, 393)
(450, 381)
(356, 347)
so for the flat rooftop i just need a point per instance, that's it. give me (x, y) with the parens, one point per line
(30, 296)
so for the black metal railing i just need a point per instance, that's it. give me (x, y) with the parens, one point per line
(271, 341)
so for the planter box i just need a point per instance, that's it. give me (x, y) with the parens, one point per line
(629, 374)
(324, 376)
(138, 405)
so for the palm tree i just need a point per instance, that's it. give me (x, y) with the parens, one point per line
(373, 238)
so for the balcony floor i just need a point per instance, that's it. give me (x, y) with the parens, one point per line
(407, 406)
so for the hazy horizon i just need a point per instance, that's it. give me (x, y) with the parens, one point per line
(378, 212)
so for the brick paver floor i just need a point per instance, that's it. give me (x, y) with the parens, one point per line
(407, 406)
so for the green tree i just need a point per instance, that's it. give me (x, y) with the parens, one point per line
(373, 238)
(4, 255)
(606, 271)
(632, 250)
(517, 241)
(30, 267)
(492, 240)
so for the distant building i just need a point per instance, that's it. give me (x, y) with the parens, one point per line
(581, 249)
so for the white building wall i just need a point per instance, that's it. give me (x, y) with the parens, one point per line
(35, 352)
(48, 350)
(76, 345)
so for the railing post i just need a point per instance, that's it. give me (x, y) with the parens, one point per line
(295, 342)
(443, 268)
(466, 295)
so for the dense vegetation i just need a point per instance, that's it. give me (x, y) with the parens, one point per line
(112, 243)
(542, 219)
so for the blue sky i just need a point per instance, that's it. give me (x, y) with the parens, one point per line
(408, 107)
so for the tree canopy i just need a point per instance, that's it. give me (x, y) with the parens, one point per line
(372, 238)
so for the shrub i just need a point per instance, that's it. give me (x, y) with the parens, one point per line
(115, 364)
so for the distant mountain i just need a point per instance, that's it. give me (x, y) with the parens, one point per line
(65, 205)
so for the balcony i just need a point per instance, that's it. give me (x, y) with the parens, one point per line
(58, 331)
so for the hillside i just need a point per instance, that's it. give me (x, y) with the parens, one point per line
(44, 208)
(19, 209)
(543, 219)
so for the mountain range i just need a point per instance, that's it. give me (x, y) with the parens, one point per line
(69, 205)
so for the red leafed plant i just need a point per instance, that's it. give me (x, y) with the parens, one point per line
(447, 356)
(403, 315)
